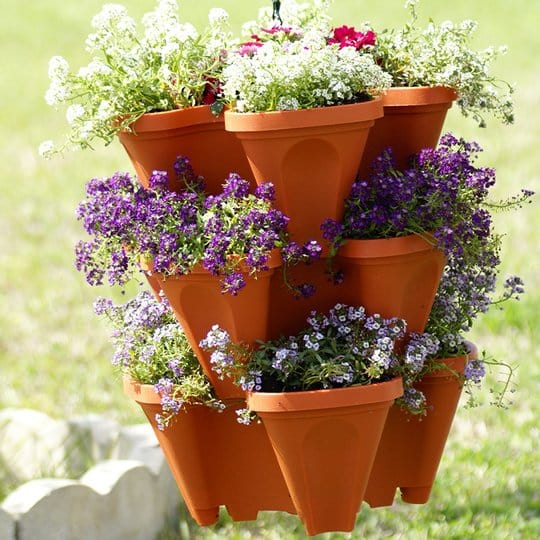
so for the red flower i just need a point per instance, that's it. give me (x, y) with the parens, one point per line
(347, 36)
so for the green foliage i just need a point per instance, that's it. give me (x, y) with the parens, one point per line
(55, 355)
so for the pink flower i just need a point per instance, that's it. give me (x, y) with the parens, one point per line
(249, 48)
(347, 36)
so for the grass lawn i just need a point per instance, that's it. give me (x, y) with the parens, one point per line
(54, 354)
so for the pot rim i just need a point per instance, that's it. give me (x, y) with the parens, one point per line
(403, 96)
(455, 363)
(276, 402)
(199, 271)
(385, 247)
(174, 119)
(352, 113)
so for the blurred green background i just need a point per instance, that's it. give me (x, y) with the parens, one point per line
(54, 353)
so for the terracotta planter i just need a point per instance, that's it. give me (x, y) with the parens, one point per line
(413, 119)
(411, 447)
(198, 304)
(288, 313)
(325, 442)
(311, 156)
(159, 138)
(216, 461)
(395, 277)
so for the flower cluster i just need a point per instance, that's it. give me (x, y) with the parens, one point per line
(229, 234)
(151, 348)
(347, 36)
(290, 69)
(169, 66)
(442, 195)
(441, 55)
(342, 348)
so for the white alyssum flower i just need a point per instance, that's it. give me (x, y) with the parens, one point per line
(58, 68)
(128, 74)
(46, 149)
(74, 112)
(442, 55)
(301, 74)
(218, 16)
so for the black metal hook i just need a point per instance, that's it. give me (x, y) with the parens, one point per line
(276, 6)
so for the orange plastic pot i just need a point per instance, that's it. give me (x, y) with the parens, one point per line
(288, 313)
(216, 461)
(159, 138)
(325, 442)
(198, 304)
(413, 119)
(395, 277)
(311, 156)
(411, 447)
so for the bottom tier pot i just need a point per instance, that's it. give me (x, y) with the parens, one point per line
(325, 442)
(216, 461)
(411, 447)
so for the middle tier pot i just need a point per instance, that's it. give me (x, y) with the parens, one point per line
(198, 304)
(311, 155)
(395, 277)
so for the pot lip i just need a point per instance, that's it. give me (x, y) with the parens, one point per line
(174, 119)
(456, 363)
(276, 402)
(364, 111)
(385, 247)
(146, 393)
(274, 262)
(398, 96)
(140, 392)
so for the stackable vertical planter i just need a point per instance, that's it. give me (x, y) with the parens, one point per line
(311, 156)
(411, 447)
(395, 277)
(325, 442)
(157, 139)
(216, 461)
(413, 119)
(198, 304)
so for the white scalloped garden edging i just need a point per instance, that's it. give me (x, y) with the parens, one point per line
(129, 496)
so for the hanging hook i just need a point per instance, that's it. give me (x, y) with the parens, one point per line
(276, 5)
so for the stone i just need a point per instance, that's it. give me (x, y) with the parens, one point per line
(7, 526)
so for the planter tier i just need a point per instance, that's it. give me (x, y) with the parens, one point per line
(216, 461)
(159, 138)
(325, 442)
(198, 304)
(311, 155)
(411, 447)
(413, 119)
(395, 277)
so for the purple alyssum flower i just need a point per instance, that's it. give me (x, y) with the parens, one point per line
(232, 234)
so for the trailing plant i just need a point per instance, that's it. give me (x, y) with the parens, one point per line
(150, 347)
(444, 197)
(169, 66)
(442, 55)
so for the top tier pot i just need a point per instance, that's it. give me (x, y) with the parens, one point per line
(159, 138)
(311, 155)
(413, 119)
